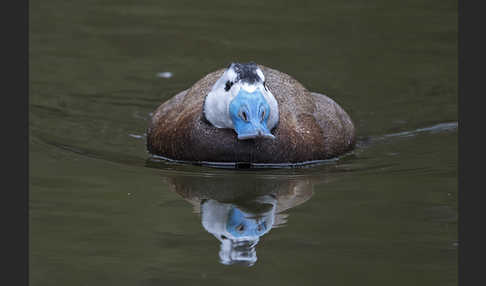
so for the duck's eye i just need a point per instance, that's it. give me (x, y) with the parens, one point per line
(240, 228)
(244, 116)
(228, 85)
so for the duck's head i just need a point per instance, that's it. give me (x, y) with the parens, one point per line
(240, 100)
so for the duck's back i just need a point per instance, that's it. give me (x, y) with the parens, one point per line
(311, 127)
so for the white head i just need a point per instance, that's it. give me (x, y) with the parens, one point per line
(240, 100)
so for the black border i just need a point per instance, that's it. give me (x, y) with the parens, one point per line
(15, 140)
(471, 128)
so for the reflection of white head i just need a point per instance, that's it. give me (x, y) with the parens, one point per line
(237, 230)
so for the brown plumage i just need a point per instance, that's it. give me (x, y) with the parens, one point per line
(311, 127)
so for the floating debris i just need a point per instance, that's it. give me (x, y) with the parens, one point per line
(164, 74)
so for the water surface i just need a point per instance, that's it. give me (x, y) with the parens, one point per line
(102, 214)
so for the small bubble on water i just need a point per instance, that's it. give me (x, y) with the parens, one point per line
(164, 74)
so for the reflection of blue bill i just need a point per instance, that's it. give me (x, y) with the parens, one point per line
(241, 224)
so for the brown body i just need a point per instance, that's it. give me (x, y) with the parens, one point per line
(311, 127)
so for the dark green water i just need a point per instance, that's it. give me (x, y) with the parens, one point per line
(101, 214)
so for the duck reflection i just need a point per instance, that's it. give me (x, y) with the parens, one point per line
(238, 209)
(238, 227)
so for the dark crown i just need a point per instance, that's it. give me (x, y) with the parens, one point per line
(246, 72)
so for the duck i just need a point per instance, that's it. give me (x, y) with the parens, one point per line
(249, 114)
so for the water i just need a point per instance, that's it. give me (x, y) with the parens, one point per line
(102, 213)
